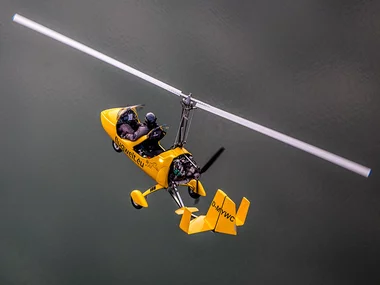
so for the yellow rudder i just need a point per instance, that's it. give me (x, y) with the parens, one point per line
(242, 211)
(185, 220)
(226, 222)
(221, 216)
(213, 212)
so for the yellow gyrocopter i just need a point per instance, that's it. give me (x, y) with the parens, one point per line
(174, 167)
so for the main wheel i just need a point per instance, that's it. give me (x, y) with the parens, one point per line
(116, 147)
(192, 193)
(137, 206)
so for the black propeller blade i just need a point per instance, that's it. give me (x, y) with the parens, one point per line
(212, 160)
(207, 166)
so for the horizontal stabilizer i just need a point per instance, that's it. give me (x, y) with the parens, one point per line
(180, 211)
(194, 226)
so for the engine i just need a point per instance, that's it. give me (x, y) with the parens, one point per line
(183, 169)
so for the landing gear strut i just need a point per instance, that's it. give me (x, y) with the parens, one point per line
(173, 191)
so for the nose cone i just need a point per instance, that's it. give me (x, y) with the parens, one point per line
(110, 115)
(108, 120)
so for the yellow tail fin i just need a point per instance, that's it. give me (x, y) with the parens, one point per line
(242, 211)
(221, 214)
(213, 211)
(185, 221)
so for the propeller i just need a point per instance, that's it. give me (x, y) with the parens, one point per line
(212, 160)
(208, 164)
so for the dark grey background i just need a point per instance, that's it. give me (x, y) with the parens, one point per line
(308, 68)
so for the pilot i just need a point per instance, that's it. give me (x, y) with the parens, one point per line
(143, 129)
(128, 124)
(151, 121)
(151, 146)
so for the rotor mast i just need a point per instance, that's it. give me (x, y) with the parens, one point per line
(186, 116)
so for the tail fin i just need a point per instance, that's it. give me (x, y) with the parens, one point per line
(186, 217)
(242, 211)
(212, 215)
(221, 216)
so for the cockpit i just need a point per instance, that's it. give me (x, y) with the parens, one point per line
(150, 146)
(129, 117)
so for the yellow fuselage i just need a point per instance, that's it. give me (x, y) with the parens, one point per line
(156, 167)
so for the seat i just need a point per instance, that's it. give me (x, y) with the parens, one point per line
(151, 146)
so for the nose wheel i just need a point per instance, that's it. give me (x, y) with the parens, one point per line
(136, 206)
(193, 194)
(116, 147)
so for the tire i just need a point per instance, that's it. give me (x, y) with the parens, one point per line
(192, 193)
(136, 206)
(116, 147)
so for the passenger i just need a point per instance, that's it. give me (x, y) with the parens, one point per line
(143, 129)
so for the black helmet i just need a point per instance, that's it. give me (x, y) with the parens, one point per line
(150, 118)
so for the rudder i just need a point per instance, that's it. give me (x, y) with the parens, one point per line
(242, 211)
(213, 213)
(185, 220)
(227, 221)
(221, 214)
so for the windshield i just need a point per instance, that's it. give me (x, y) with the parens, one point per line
(127, 115)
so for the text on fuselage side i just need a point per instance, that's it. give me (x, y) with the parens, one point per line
(131, 154)
(227, 215)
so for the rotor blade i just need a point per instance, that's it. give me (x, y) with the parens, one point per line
(61, 38)
(350, 165)
(212, 160)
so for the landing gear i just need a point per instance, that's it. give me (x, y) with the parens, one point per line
(136, 206)
(138, 200)
(192, 193)
(116, 147)
(173, 191)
